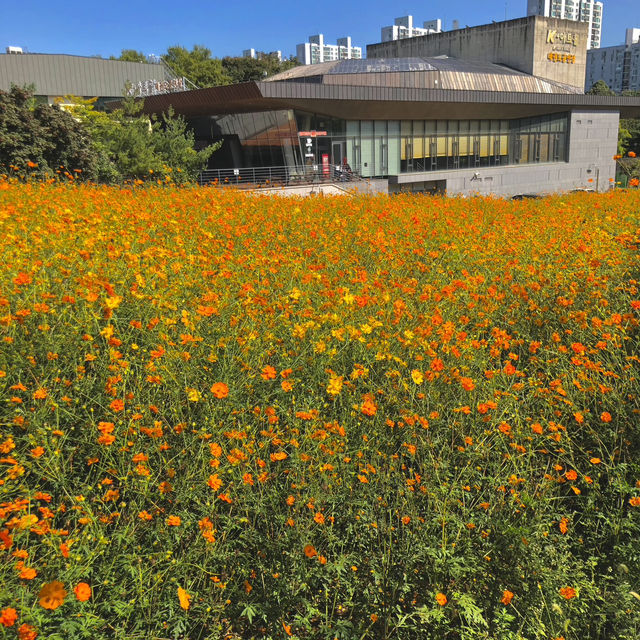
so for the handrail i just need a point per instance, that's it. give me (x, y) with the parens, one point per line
(278, 176)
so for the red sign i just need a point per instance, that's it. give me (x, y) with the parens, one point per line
(311, 134)
(325, 164)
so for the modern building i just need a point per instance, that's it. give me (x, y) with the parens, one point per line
(57, 75)
(511, 121)
(586, 11)
(618, 66)
(403, 28)
(260, 55)
(315, 50)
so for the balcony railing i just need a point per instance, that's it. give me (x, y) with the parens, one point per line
(250, 177)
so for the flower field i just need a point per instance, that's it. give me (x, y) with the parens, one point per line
(227, 416)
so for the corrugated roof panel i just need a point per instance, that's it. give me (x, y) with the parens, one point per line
(61, 74)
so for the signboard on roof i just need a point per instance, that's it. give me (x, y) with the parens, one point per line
(146, 88)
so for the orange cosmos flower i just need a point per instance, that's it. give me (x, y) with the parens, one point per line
(52, 595)
(220, 390)
(22, 279)
(279, 455)
(184, 598)
(635, 501)
(214, 482)
(82, 591)
(310, 551)
(174, 521)
(509, 369)
(8, 617)
(116, 405)
(564, 525)
(27, 632)
(605, 416)
(571, 475)
(467, 384)
(507, 596)
(268, 373)
(567, 593)
(441, 599)
(27, 573)
(368, 407)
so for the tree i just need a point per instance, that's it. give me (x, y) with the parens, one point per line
(131, 55)
(197, 66)
(600, 88)
(630, 133)
(42, 137)
(130, 146)
(254, 69)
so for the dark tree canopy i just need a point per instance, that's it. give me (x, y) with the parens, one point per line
(44, 140)
(202, 70)
(197, 66)
(41, 135)
(131, 55)
(601, 88)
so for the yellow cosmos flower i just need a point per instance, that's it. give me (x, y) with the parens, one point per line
(335, 385)
(184, 597)
(194, 395)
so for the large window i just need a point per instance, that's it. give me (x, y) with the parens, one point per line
(431, 145)
(381, 147)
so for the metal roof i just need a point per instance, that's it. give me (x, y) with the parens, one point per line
(376, 102)
(61, 74)
(439, 72)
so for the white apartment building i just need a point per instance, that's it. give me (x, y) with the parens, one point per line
(579, 10)
(618, 66)
(315, 50)
(403, 28)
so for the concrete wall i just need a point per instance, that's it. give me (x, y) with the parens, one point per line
(592, 145)
(523, 44)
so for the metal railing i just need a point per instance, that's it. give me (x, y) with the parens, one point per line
(277, 176)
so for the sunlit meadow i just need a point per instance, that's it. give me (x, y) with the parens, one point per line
(227, 416)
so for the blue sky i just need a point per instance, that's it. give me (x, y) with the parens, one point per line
(227, 27)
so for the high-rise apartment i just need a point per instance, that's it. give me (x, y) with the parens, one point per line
(618, 66)
(579, 10)
(315, 50)
(403, 28)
